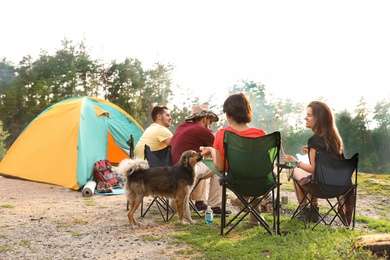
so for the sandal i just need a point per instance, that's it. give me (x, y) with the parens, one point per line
(108, 187)
(101, 187)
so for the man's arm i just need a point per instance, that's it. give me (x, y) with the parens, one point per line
(167, 141)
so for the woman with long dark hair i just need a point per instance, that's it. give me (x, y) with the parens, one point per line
(319, 118)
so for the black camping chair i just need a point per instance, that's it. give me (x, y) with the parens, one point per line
(130, 142)
(159, 158)
(335, 180)
(163, 158)
(250, 174)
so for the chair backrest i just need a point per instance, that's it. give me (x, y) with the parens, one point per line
(130, 142)
(159, 158)
(335, 174)
(250, 162)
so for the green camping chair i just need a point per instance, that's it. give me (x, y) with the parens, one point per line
(250, 174)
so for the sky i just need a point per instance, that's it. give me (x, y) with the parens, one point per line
(303, 50)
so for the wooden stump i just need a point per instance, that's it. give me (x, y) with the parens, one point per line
(378, 244)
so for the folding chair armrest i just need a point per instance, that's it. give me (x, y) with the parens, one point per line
(222, 180)
(284, 166)
(209, 163)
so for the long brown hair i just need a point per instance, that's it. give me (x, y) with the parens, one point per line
(325, 126)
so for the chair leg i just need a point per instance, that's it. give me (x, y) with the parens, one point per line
(276, 209)
(167, 208)
(143, 213)
(347, 204)
(354, 207)
(256, 204)
(192, 205)
(303, 203)
(163, 207)
(343, 204)
(332, 207)
(223, 209)
(250, 208)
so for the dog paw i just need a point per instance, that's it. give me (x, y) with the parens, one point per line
(190, 221)
(133, 225)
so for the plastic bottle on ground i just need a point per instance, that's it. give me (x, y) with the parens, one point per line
(208, 216)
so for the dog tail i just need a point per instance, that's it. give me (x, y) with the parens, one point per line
(128, 166)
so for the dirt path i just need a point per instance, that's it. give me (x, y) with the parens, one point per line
(43, 221)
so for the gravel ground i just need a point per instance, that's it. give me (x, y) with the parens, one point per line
(43, 221)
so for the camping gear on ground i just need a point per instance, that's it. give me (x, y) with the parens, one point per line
(102, 172)
(67, 138)
(89, 189)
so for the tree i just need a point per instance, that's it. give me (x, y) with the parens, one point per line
(263, 113)
(181, 107)
(3, 136)
(137, 90)
(344, 121)
(123, 85)
(30, 87)
(7, 77)
(382, 115)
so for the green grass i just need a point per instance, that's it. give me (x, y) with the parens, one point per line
(151, 238)
(76, 234)
(69, 223)
(296, 242)
(5, 248)
(7, 206)
(89, 202)
(246, 242)
(374, 184)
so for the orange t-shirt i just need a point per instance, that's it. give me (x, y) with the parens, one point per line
(250, 132)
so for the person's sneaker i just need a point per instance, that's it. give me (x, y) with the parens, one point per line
(218, 211)
(200, 205)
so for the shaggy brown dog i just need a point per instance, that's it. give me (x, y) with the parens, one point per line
(174, 182)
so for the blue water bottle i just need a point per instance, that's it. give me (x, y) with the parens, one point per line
(208, 216)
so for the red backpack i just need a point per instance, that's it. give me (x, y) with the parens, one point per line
(102, 172)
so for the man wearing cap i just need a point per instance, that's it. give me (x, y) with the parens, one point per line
(157, 136)
(191, 135)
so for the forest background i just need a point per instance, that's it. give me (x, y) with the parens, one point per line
(31, 86)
